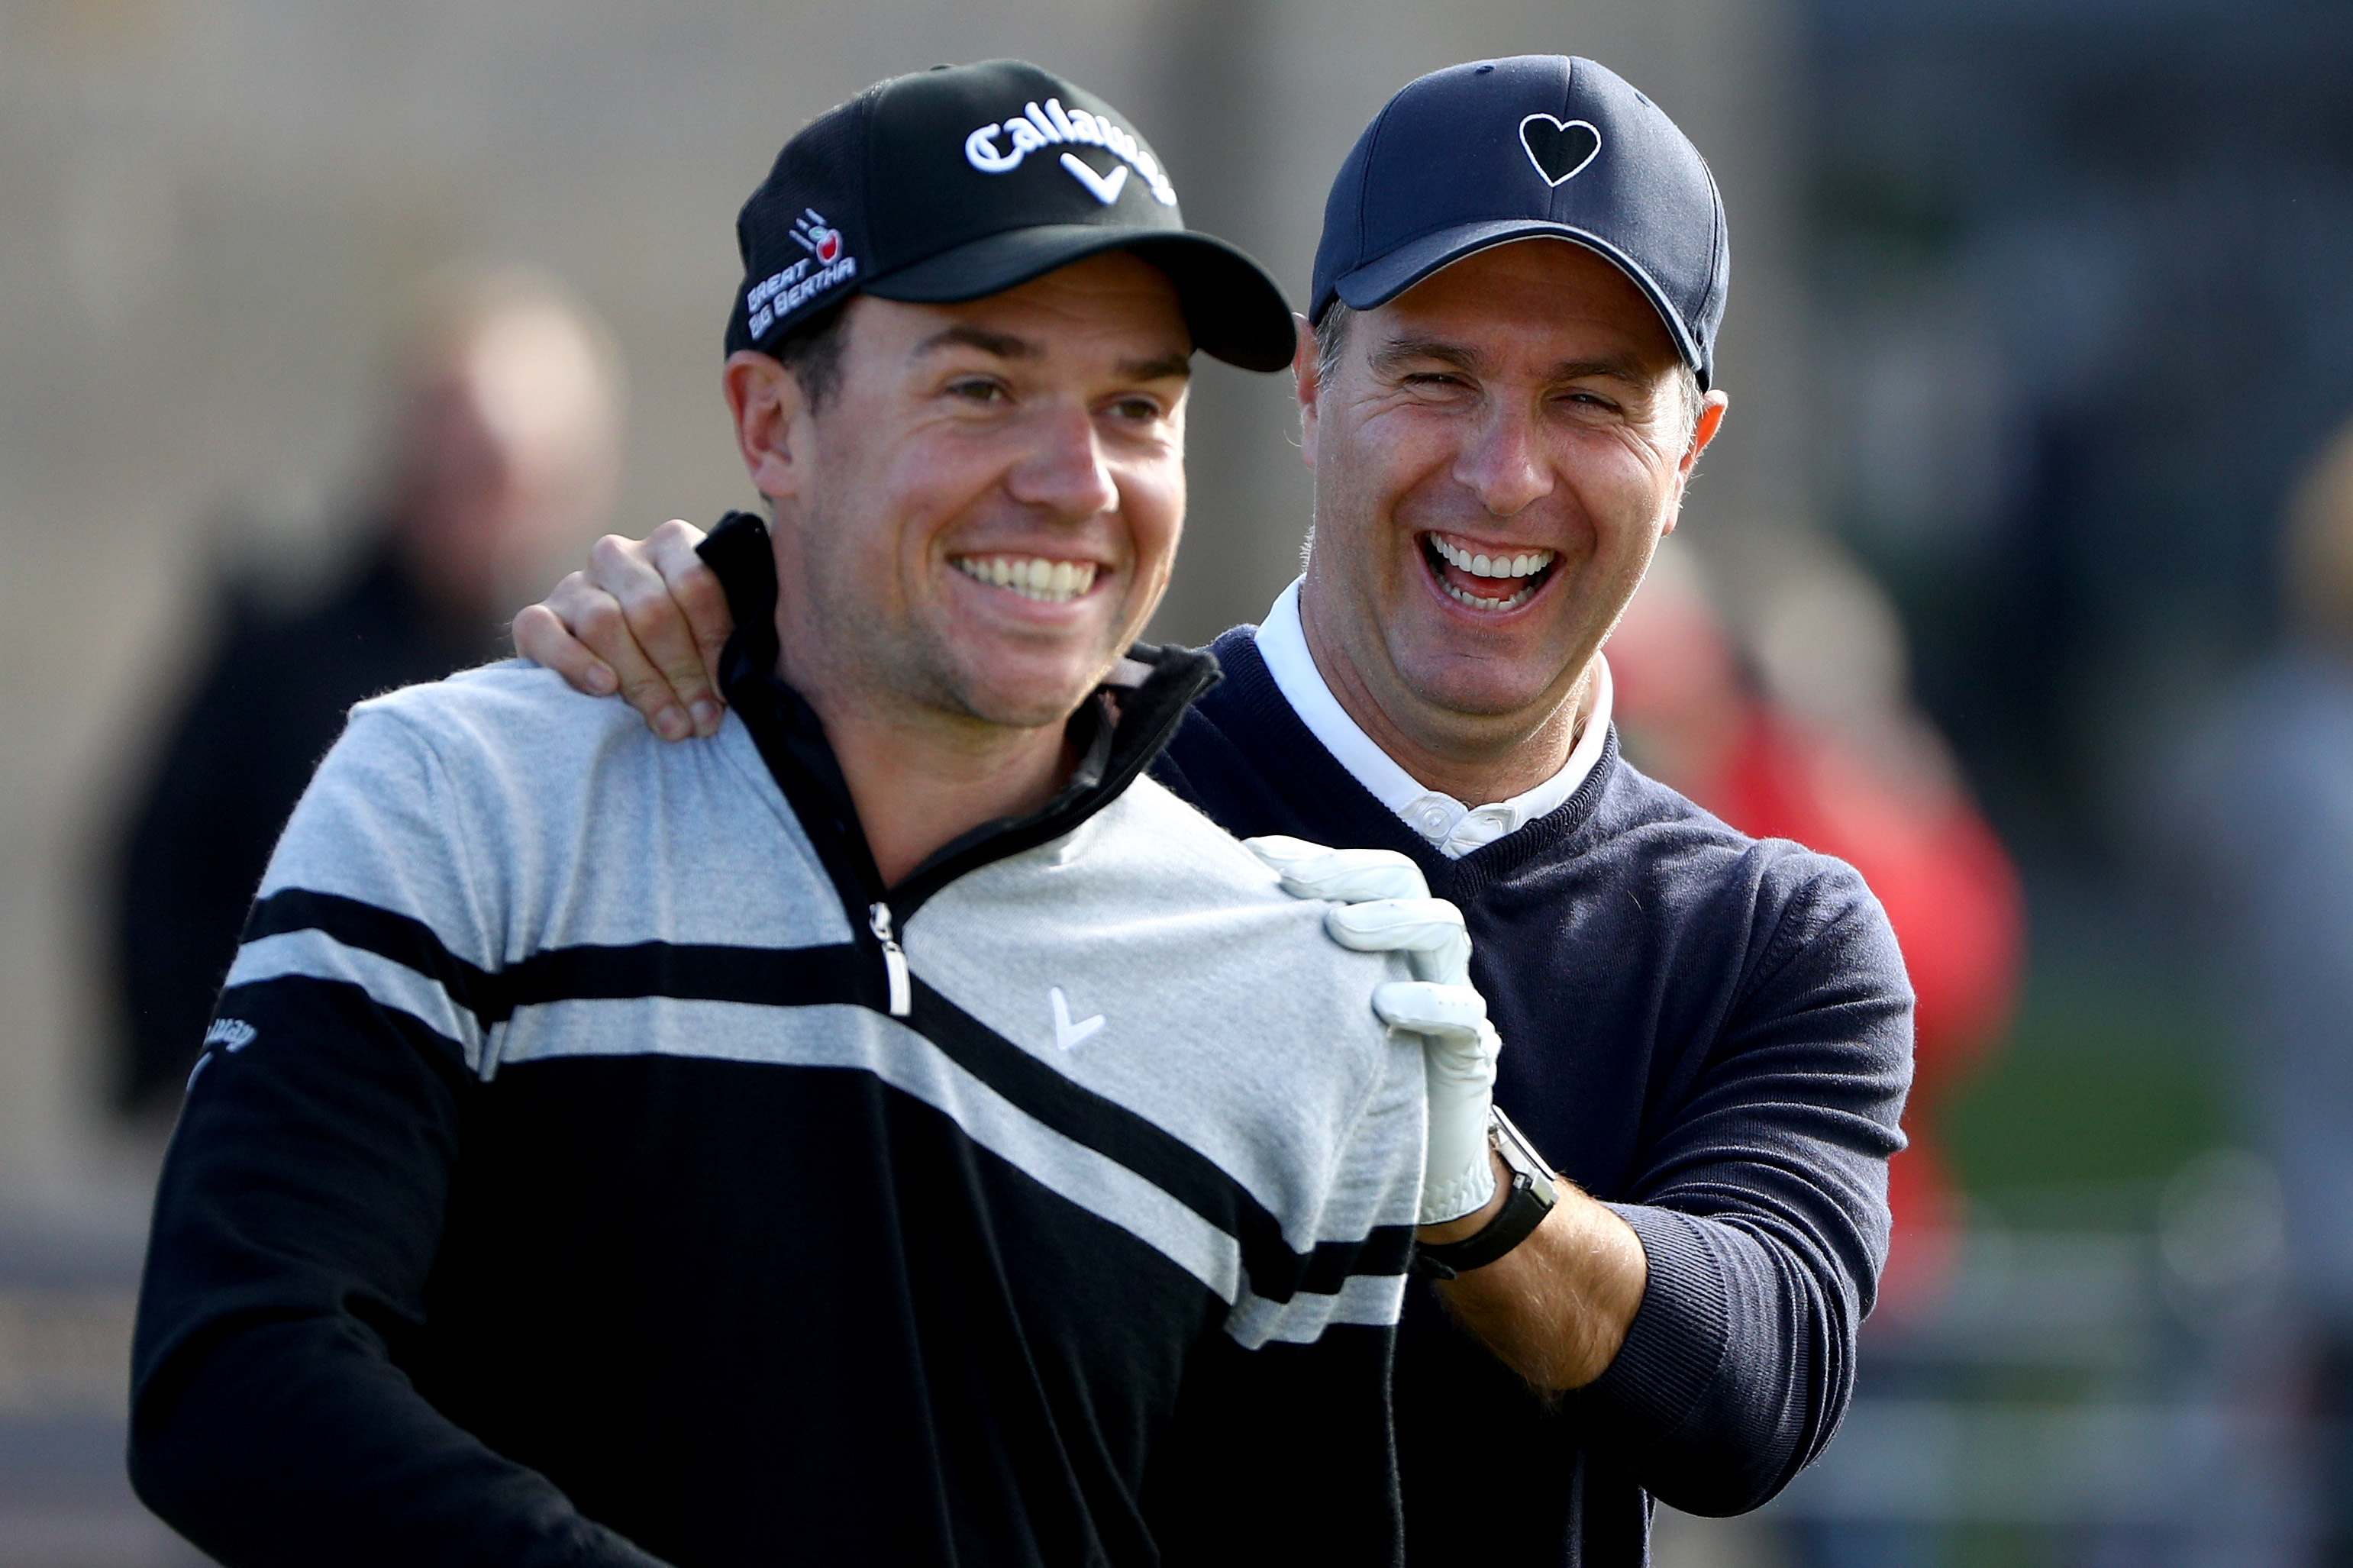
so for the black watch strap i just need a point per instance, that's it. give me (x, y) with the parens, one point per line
(1521, 1214)
(1530, 1198)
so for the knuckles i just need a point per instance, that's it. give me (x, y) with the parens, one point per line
(598, 621)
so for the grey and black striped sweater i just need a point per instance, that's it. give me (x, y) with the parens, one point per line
(571, 1180)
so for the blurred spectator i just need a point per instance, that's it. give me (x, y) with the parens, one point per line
(2266, 813)
(1806, 734)
(501, 459)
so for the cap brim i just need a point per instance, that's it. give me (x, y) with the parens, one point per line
(1233, 308)
(1377, 282)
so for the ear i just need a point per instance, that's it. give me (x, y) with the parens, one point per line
(1703, 429)
(770, 421)
(1308, 381)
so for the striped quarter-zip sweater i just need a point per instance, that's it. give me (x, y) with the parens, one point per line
(593, 1164)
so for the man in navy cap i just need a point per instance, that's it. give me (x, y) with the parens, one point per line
(1506, 378)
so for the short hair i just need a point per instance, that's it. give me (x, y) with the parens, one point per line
(812, 351)
(1332, 341)
(1331, 337)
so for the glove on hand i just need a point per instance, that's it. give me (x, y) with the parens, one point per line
(1386, 907)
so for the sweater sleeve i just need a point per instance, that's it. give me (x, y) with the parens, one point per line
(300, 1209)
(1762, 1209)
(1283, 1449)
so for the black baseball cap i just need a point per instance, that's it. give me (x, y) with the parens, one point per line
(965, 181)
(1482, 154)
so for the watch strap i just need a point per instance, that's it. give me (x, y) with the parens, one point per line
(1521, 1214)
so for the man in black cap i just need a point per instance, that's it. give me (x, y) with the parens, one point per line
(1506, 378)
(889, 1128)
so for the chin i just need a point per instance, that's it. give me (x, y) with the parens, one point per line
(1026, 704)
(1485, 689)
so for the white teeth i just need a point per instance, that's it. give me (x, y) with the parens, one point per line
(1492, 565)
(1032, 577)
(1476, 603)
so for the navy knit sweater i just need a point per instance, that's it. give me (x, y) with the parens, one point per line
(1711, 1034)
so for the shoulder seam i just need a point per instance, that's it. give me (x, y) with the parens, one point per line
(1779, 947)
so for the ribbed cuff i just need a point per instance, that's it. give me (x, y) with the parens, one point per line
(1674, 1350)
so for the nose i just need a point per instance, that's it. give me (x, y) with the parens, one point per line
(1504, 464)
(1063, 473)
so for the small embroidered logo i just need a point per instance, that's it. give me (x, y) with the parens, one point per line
(1103, 190)
(234, 1034)
(1559, 149)
(1067, 1033)
(815, 237)
(825, 267)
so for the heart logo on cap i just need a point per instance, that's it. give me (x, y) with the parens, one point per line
(1559, 149)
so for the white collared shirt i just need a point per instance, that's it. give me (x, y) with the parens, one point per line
(1455, 829)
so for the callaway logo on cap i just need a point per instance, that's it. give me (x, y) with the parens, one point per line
(966, 181)
(1482, 154)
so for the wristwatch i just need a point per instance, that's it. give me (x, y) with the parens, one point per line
(1532, 1197)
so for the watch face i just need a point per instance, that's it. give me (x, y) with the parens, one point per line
(1521, 1156)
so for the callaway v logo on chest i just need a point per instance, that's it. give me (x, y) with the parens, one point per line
(1067, 1033)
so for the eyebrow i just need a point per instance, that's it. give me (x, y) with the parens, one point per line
(1005, 345)
(1399, 352)
(963, 334)
(1165, 368)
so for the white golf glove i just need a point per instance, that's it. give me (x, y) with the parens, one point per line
(1384, 906)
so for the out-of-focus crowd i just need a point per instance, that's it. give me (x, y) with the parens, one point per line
(502, 452)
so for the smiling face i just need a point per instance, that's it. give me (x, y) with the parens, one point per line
(980, 517)
(1497, 452)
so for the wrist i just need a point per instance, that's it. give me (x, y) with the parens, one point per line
(1526, 1196)
(1478, 1219)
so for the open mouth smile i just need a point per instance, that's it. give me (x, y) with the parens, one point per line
(1033, 576)
(1483, 578)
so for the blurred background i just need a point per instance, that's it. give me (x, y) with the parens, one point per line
(2022, 576)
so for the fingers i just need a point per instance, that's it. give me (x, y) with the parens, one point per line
(694, 587)
(1430, 929)
(1343, 876)
(1454, 1014)
(681, 699)
(540, 635)
(594, 616)
(1386, 905)
(1279, 850)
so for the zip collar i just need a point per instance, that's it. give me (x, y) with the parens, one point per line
(1117, 732)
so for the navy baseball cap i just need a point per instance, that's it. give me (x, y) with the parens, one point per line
(1482, 154)
(965, 181)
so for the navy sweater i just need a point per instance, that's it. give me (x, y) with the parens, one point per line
(1711, 1034)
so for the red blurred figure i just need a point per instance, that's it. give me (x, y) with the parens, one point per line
(1858, 777)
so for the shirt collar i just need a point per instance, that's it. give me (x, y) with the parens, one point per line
(1454, 828)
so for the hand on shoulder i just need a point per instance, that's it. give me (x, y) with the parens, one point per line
(647, 620)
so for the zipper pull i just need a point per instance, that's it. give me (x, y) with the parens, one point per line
(894, 961)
